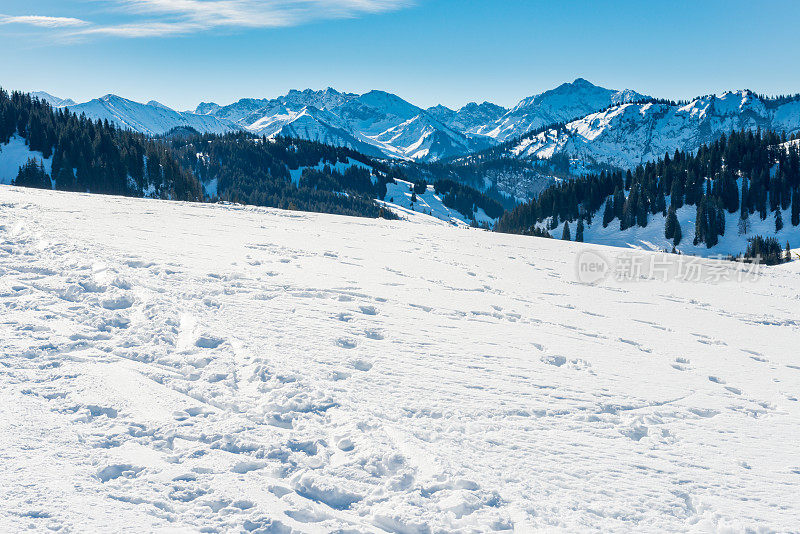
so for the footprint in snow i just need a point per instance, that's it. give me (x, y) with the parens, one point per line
(208, 341)
(557, 361)
(346, 343)
(680, 364)
(373, 334)
(117, 303)
(362, 365)
(114, 471)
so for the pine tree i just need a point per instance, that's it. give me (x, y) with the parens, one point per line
(676, 194)
(788, 252)
(670, 224)
(677, 234)
(660, 205)
(795, 207)
(579, 231)
(565, 235)
(700, 224)
(744, 204)
(778, 221)
(720, 220)
(608, 213)
(32, 174)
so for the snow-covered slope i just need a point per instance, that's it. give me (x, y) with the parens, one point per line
(629, 134)
(53, 100)
(399, 197)
(152, 118)
(188, 366)
(651, 237)
(471, 118)
(248, 111)
(14, 155)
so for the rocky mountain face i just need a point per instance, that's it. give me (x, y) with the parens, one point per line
(626, 135)
(566, 102)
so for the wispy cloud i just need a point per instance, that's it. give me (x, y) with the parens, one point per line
(43, 22)
(161, 18)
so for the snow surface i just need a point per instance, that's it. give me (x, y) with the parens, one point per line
(176, 367)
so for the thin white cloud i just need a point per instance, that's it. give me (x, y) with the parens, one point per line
(43, 22)
(162, 18)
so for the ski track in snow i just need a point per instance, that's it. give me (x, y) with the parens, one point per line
(218, 368)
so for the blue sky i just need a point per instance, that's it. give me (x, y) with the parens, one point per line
(181, 52)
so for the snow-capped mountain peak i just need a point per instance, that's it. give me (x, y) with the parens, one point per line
(566, 102)
(629, 134)
(152, 118)
(54, 101)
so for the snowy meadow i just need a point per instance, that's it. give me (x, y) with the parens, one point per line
(170, 366)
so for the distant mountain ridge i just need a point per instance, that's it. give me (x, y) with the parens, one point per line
(376, 123)
(601, 126)
(627, 135)
(152, 118)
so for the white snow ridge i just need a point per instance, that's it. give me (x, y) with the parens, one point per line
(185, 367)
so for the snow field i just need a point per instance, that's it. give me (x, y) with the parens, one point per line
(185, 367)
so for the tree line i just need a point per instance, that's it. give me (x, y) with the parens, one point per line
(93, 155)
(744, 174)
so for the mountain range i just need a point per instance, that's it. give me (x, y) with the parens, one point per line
(591, 125)
(624, 136)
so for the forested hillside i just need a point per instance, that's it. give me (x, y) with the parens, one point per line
(91, 156)
(293, 173)
(750, 177)
(256, 170)
(45, 147)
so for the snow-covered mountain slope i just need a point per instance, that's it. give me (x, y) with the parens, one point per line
(53, 100)
(152, 118)
(248, 111)
(471, 118)
(566, 102)
(318, 125)
(629, 134)
(392, 126)
(401, 130)
(189, 366)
